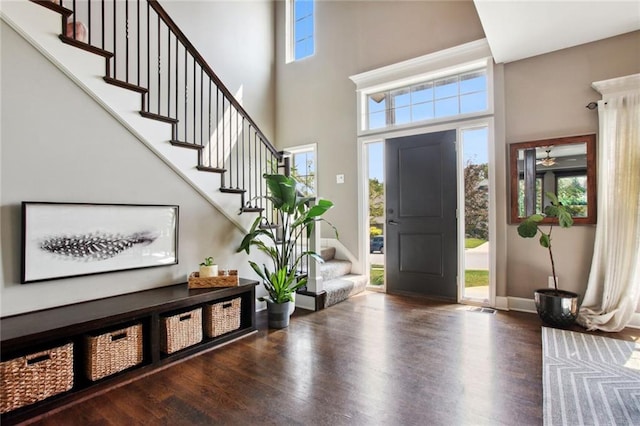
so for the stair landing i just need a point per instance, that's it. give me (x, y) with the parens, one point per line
(338, 281)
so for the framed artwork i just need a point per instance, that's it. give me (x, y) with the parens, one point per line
(62, 240)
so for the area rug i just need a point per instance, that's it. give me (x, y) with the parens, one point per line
(589, 380)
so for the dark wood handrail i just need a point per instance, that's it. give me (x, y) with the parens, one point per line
(205, 66)
(55, 7)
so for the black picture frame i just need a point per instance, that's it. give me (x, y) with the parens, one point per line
(64, 240)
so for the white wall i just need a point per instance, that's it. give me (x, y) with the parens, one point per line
(57, 144)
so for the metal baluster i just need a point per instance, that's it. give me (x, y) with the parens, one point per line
(169, 73)
(249, 161)
(194, 100)
(126, 33)
(218, 128)
(186, 94)
(89, 24)
(148, 94)
(266, 189)
(243, 156)
(159, 66)
(258, 164)
(201, 106)
(230, 143)
(237, 153)
(223, 142)
(138, 62)
(115, 49)
(175, 133)
(259, 181)
(73, 21)
(102, 19)
(209, 132)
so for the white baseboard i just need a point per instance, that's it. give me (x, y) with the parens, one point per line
(521, 304)
(305, 302)
(502, 303)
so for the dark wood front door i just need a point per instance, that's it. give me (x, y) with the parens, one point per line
(421, 229)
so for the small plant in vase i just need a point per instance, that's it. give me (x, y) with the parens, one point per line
(555, 307)
(208, 268)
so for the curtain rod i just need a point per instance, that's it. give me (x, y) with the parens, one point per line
(593, 105)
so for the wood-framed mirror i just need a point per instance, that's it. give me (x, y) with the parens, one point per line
(565, 166)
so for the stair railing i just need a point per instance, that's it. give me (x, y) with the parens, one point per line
(145, 51)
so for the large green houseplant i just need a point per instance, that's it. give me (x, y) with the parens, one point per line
(297, 216)
(555, 307)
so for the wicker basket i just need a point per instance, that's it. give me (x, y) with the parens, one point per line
(180, 331)
(35, 377)
(109, 353)
(230, 280)
(222, 317)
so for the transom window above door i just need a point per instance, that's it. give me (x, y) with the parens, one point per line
(449, 96)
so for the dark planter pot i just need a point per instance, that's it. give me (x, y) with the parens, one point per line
(278, 314)
(556, 308)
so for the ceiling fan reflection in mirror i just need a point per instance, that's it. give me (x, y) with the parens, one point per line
(547, 161)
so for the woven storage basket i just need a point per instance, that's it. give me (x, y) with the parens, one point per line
(180, 331)
(109, 353)
(230, 280)
(222, 317)
(35, 377)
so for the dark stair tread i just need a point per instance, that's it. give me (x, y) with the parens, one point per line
(233, 190)
(187, 145)
(251, 210)
(158, 117)
(210, 169)
(125, 85)
(270, 226)
(84, 46)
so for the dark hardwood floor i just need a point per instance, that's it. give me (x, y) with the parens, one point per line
(373, 359)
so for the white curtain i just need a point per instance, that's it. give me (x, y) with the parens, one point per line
(613, 289)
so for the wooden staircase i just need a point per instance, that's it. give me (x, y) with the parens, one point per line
(167, 96)
(145, 52)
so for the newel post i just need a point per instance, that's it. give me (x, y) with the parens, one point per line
(314, 278)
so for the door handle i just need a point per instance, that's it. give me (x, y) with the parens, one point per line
(392, 222)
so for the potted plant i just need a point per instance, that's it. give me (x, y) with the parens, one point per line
(295, 218)
(208, 268)
(555, 307)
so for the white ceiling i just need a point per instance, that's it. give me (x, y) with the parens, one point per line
(521, 29)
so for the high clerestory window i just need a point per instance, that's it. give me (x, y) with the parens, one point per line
(453, 95)
(301, 29)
